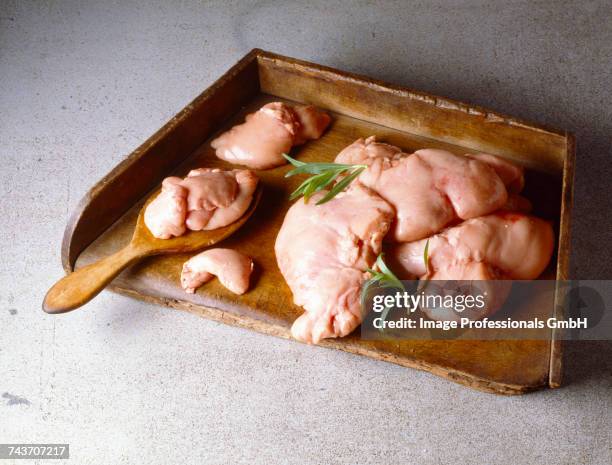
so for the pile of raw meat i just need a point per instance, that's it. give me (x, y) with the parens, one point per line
(468, 207)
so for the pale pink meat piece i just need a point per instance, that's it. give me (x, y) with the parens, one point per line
(312, 123)
(431, 189)
(165, 216)
(486, 250)
(512, 245)
(323, 252)
(513, 176)
(377, 155)
(261, 140)
(206, 199)
(221, 216)
(231, 267)
(210, 188)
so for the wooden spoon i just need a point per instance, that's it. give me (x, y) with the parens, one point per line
(82, 285)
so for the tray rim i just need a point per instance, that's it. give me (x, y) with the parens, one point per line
(426, 97)
(69, 255)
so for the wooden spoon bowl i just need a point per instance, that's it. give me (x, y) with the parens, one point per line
(82, 285)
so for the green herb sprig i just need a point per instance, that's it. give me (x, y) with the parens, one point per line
(323, 175)
(425, 281)
(382, 277)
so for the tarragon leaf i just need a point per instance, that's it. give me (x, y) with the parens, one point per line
(340, 186)
(323, 175)
(384, 278)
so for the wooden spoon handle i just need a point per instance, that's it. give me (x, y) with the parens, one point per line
(84, 284)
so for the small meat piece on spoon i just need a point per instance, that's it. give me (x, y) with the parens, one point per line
(165, 216)
(232, 268)
(206, 199)
(260, 142)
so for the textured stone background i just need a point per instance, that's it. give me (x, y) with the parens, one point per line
(83, 83)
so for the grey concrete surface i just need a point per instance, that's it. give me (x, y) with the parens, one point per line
(83, 83)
